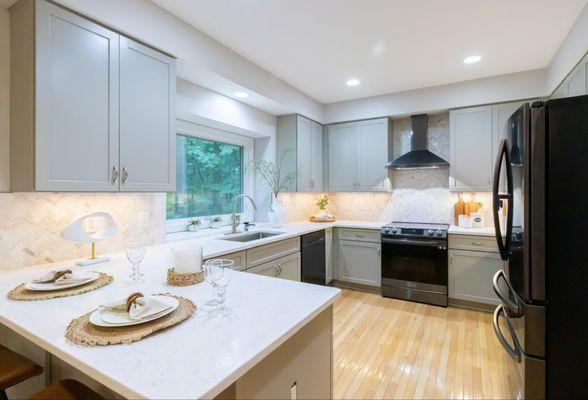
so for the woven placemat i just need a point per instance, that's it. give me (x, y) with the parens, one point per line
(21, 293)
(81, 331)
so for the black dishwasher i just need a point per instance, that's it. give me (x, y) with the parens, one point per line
(313, 258)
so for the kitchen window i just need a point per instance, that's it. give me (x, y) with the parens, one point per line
(210, 171)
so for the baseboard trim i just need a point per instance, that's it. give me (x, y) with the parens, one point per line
(471, 305)
(355, 286)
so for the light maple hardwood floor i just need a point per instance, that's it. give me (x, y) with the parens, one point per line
(387, 348)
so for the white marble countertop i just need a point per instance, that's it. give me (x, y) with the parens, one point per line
(198, 358)
(485, 231)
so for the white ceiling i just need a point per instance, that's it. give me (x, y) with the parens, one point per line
(390, 45)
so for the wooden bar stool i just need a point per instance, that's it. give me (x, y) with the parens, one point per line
(15, 369)
(67, 389)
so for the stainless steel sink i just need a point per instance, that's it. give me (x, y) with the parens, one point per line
(248, 237)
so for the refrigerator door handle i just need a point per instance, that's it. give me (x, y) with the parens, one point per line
(514, 351)
(498, 198)
(515, 307)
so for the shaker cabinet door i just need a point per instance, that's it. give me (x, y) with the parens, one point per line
(372, 155)
(316, 158)
(470, 275)
(76, 102)
(147, 119)
(289, 267)
(471, 163)
(343, 157)
(304, 154)
(359, 262)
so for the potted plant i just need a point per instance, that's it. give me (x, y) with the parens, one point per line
(215, 221)
(322, 203)
(194, 224)
(276, 180)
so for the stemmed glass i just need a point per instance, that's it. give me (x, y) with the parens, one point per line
(218, 272)
(135, 251)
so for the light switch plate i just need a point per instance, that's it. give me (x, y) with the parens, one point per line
(143, 219)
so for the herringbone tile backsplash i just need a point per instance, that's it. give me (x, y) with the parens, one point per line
(30, 224)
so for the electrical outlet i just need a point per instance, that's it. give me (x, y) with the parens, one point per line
(293, 391)
(143, 219)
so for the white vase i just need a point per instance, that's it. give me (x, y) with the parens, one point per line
(276, 214)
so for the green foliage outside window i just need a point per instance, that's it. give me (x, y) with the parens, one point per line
(209, 175)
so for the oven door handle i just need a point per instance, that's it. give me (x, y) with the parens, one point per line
(425, 243)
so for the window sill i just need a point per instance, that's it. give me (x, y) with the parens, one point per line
(201, 233)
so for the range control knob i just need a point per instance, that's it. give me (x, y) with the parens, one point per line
(430, 232)
(387, 230)
(395, 230)
(439, 233)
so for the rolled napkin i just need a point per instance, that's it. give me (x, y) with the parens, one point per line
(137, 306)
(62, 277)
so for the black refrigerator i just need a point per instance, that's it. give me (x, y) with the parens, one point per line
(540, 205)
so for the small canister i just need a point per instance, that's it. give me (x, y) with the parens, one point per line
(477, 220)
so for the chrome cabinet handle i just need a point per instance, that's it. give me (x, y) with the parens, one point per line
(379, 251)
(124, 176)
(477, 243)
(312, 184)
(114, 177)
(513, 351)
(279, 270)
(359, 235)
(450, 258)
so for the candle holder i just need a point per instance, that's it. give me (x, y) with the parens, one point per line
(184, 279)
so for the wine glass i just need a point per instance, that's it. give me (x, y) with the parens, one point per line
(135, 251)
(208, 277)
(220, 272)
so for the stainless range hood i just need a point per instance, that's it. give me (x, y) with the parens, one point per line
(418, 157)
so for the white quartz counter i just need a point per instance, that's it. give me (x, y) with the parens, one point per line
(198, 358)
(213, 246)
(485, 231)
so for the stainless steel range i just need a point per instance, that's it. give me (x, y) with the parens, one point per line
(414, 262)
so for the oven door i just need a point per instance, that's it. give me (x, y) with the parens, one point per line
(418, 263)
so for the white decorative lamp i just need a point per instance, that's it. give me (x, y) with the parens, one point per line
(86, 229)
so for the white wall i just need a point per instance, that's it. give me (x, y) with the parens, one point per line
(201, 59)
(4, 99)
(522, 85)
(572, 50)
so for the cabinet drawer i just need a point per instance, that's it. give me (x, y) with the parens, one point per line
(239, 258)
(476, 243)
(359, 235)
(262, 254)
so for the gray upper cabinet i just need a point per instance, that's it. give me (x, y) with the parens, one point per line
(358, 153)
(305, 138)
(576, 83)
(99, 102)
(474, 137)
(147, 133)
(470, 165)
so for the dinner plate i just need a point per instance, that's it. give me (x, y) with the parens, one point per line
(45, 287)
(96, 316)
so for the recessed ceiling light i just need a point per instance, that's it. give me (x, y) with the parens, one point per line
(352, 82)
(471, 59)
(241, 95)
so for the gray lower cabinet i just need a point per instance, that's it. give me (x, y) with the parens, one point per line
(471, 272)
(359, 262)
(329, 255)
(287, 267)
(239, 258)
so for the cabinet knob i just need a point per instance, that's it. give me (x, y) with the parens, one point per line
(114, 177)
(124, 176)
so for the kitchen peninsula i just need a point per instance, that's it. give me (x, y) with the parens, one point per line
(277, 341)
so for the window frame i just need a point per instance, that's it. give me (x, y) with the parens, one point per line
(194, 130)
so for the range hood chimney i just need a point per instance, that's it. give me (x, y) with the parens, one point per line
(418, 157)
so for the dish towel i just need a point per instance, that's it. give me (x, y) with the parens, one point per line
(62, 277)
(137, 306)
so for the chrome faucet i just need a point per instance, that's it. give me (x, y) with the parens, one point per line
(234, 214)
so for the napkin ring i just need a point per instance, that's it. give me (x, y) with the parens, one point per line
(131, 300)
(183, 279)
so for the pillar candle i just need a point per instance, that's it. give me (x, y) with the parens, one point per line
(188, 260)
